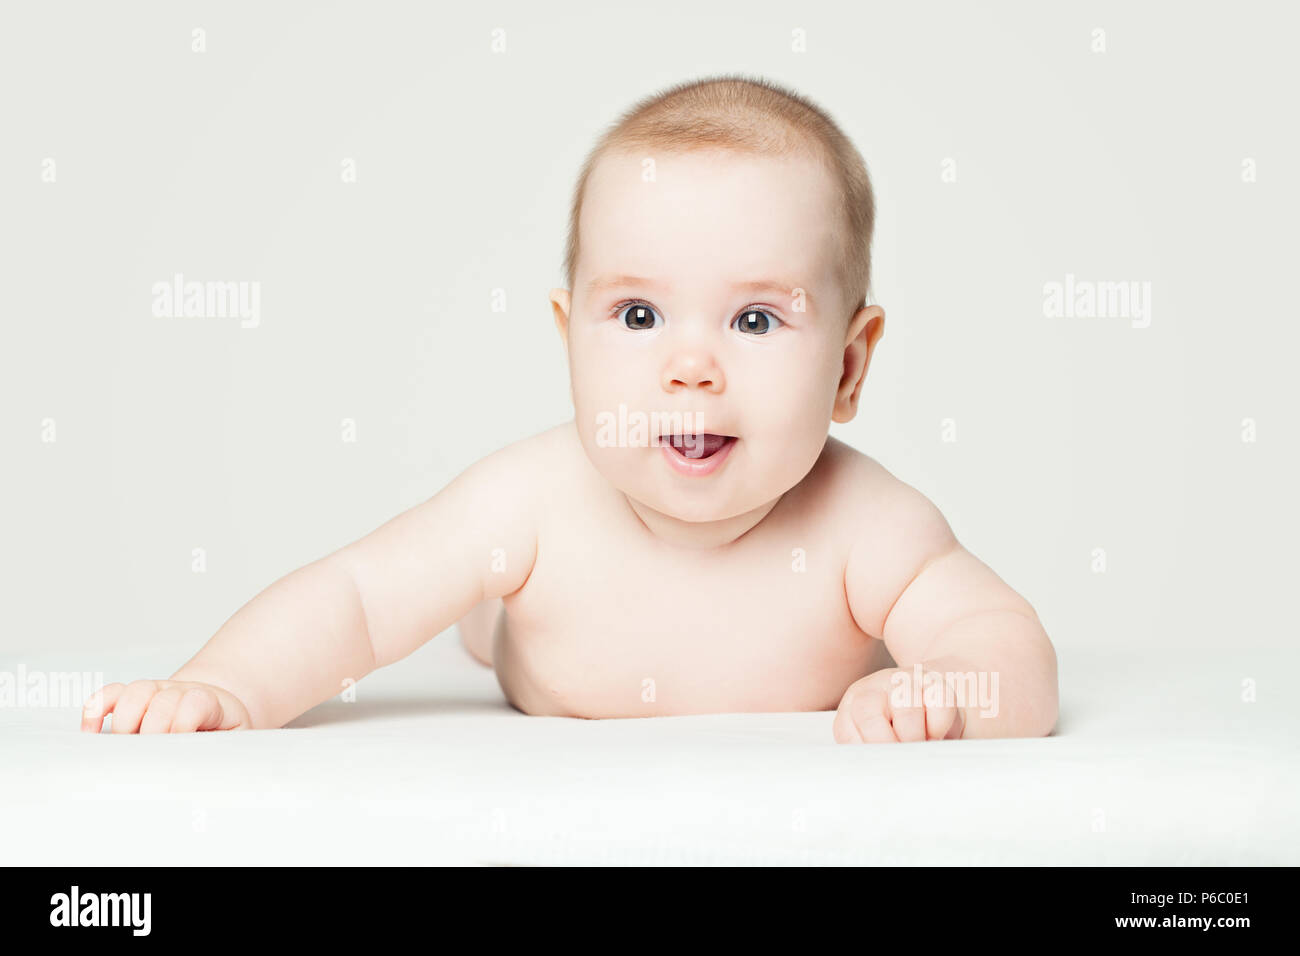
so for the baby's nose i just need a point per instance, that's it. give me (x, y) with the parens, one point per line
(693, 370)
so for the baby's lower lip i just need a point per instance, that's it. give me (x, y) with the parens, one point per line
(699, 465)
(696, 447)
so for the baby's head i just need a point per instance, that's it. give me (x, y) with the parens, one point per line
(718, 266)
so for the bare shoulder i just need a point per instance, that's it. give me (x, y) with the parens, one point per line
(558, 461)
(871, 494)
(493, 508)
(475, 538)
(894, 529)
(528, 462)
(522, 480)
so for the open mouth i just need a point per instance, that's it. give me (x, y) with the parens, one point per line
(697, 447)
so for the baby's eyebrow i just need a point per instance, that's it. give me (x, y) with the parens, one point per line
(768, 285)
(752, 286)
(619, 282)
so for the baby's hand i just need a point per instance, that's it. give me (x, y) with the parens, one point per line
(163, 707)
(882, 709)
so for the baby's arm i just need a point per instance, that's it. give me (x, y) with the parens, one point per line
(937, 605)
(366, 605)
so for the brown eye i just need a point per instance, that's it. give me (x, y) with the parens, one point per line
(639, 317)
(755, 322)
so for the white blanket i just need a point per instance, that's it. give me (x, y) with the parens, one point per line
(1150, 764)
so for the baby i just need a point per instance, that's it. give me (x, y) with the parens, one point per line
(693, 541)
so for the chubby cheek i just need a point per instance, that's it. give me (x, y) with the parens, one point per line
(599, 388)
(788, 423)
(603, 374)
(586, 385)
(619, 466)
(785, 439)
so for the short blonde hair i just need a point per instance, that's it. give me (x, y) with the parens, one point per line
(748, 115)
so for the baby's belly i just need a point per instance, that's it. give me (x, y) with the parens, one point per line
(618, 665)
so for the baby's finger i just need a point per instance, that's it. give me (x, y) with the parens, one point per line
(131, 706)
(909, 724)
(870, 712)
(98, 705)
(845, 731)
(158, 716)
(938, 721)
(199, 710)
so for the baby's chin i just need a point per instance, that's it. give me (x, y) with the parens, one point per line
(691, 512)
(702, 501)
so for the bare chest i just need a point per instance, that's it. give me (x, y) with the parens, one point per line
(607, 626)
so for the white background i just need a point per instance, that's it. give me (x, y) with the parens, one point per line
(1072, 434)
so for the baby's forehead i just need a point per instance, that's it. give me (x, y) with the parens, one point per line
(744, 214)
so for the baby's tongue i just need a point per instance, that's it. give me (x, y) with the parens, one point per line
(700, 446)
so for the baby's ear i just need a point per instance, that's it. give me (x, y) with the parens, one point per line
(865, 329)
(561, 301)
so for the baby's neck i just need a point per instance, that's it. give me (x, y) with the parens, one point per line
(699, 534)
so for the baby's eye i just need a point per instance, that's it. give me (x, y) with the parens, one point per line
(756, 322)
(639, 317)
